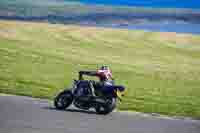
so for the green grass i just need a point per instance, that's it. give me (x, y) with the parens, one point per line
(160, 70)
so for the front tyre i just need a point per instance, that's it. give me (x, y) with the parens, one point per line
(63, 100)
(108, 107)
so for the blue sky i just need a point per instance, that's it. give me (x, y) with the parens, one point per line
(151, 3)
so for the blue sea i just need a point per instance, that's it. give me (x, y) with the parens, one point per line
(192, 4)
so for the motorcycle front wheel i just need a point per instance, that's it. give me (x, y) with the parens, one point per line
(108, 107)
(63, 100)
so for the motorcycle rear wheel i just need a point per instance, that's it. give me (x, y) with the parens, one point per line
(63, 100)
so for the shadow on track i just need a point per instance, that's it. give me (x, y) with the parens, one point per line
(71, 110)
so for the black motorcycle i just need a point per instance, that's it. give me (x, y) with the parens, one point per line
(103, 99)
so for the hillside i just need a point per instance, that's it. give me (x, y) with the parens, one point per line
(68, 12)
(160, 70)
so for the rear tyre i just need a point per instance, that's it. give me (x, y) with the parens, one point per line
(108, 107)
(63, 100)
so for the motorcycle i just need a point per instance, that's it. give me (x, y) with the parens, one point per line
(81, 96)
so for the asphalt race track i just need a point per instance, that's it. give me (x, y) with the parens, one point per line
(27, 115)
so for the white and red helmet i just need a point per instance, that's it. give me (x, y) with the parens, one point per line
(104, 72)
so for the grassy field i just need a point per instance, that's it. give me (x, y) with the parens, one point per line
(160, 70)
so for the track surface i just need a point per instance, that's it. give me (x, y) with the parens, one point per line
(27, 115)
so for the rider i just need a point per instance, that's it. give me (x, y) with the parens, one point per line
(103, 73)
